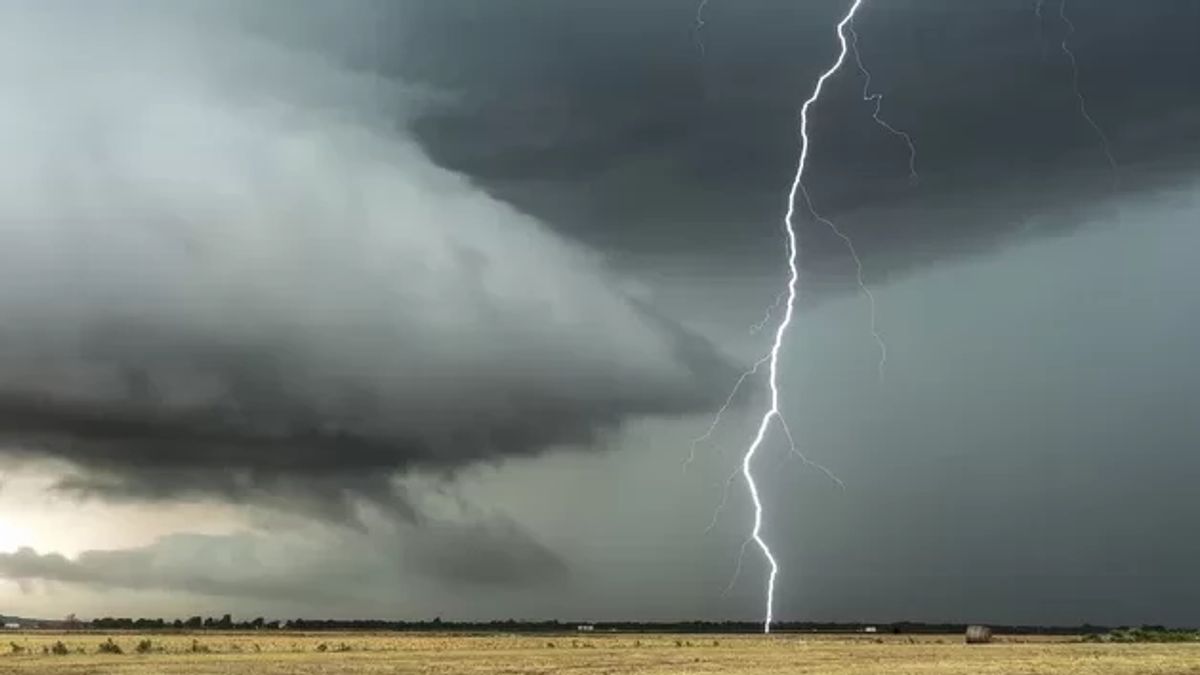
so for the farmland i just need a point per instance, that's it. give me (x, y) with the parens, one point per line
(231, 653)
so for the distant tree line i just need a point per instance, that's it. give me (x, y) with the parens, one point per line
(226, 622)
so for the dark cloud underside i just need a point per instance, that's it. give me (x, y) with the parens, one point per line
(229, 270)
(626, 135)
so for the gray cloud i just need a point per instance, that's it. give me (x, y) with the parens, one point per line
(226, 270)
(310, 563)
(496, 552)
(179, 562)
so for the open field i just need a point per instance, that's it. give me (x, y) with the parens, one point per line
(332, 653)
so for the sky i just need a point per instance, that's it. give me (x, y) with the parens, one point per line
(415, 309)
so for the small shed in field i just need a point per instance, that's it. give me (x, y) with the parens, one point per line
(978, 635)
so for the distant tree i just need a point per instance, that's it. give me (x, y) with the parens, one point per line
(226, 622)
(194, 622)
(257, 624)
(178, 623)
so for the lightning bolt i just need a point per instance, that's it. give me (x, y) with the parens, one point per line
(794, 452)
(1039, 26)
(798, 189)
(698, 32)
(859, 277)
(877, 99)
(716, 420)
(914, 178)
(759, 327)
(1083, 106)
(773, 413)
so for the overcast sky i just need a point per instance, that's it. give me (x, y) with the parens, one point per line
(407, 309)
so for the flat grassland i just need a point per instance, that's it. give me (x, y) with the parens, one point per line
(332, 653)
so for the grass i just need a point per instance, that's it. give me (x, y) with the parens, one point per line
(335, 653)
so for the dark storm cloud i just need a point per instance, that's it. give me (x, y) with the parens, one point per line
(282, 254)
(229, 271)
(336, 495)
(607, 121)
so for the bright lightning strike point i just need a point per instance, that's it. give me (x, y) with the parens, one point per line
(773, 413)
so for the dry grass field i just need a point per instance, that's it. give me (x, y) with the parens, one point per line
(333, 653)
